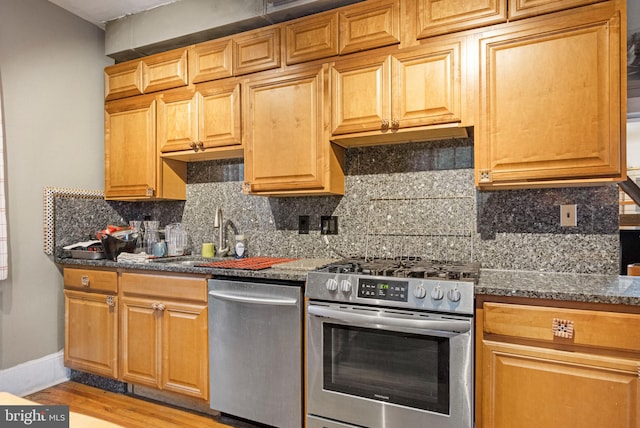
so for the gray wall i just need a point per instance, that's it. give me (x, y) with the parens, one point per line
(51, 75)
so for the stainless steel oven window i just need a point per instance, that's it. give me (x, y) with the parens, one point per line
(401, 368)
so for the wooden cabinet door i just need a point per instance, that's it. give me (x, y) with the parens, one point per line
(550, 101)
(91, 333)
(130, 148)
(529, 387)
(361, 94)
(123, 80)
(177, 120)
(519, 9)
(211, 60)
(185, 353)
(140, 341)
(256, 50)
(165, 70)
(369, 25)
(445, 16)
(427, 85)
(219, 114)
(312, 37)
(284, 119)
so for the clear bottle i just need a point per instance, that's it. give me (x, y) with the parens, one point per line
(240, 247)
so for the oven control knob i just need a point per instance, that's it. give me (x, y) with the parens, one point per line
(436, 293)
(419, 292)
(345, 286)
(332, 284)
(454, 295)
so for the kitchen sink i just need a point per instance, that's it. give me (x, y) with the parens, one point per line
(188, 260)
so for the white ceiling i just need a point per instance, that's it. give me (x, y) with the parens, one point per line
(100, 11)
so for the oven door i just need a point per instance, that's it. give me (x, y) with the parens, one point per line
(379, 367)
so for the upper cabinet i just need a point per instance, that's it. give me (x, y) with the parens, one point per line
(287, 151)
(201, 122)
(525, 8)
(550, 110)
(133, 169)
(150, 74)
(436, 17)
(245, 53)
(413, 93)
(369, 25)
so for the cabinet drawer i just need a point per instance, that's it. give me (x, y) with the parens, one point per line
(86, 279)
(590, 328)
(165, 286)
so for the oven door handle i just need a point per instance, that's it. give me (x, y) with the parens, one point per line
(253, 299)
(454, 326)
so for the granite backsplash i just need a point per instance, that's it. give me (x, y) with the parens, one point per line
(406, 199)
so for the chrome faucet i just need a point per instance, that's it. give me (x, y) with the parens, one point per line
(217, 222)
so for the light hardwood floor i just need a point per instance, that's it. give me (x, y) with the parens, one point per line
(126, 410)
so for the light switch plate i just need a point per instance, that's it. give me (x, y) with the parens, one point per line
(568, 215)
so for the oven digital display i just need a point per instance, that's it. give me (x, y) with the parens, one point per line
(370, 288)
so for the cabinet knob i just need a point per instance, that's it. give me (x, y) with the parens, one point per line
(111, 301)
(150, 191)
(154, 306)
(161, 307)
(385, 124)
(84, 280)
(201, 145)
(395, 124)
(194, 146)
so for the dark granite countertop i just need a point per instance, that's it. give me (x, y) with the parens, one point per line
(589, 288)
(272, 274)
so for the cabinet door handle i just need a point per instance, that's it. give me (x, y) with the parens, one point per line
(562, 328)
(84, 280)
(111, 301)
(385, 124)
(395, 124)
(194, 146)
(161, 307)
(201, 145)
(154, 306)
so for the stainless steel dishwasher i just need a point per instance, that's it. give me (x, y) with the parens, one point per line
(255, 350)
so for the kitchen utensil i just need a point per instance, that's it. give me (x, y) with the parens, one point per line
(117, 242)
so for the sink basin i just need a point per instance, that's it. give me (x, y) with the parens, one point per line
(187, 260)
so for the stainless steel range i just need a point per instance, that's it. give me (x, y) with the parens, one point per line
(390, 344)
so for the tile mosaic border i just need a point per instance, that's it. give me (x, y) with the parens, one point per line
(49, 195)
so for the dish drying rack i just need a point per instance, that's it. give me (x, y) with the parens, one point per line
(434, 228)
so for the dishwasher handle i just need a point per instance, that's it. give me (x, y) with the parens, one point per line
(454, 326)
(257, 300)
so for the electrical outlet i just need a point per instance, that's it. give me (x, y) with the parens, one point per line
(328, 225)
(568, 215)
(303, 224)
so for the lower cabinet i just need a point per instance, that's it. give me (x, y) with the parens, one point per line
(91, 332)
(541, 366)
(91, 321)
(163, 333)
(147, 329)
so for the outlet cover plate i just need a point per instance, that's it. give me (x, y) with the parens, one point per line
(568, 215)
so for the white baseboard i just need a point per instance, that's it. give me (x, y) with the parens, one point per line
(35, 375)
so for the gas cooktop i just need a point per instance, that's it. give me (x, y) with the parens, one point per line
(407, 267)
